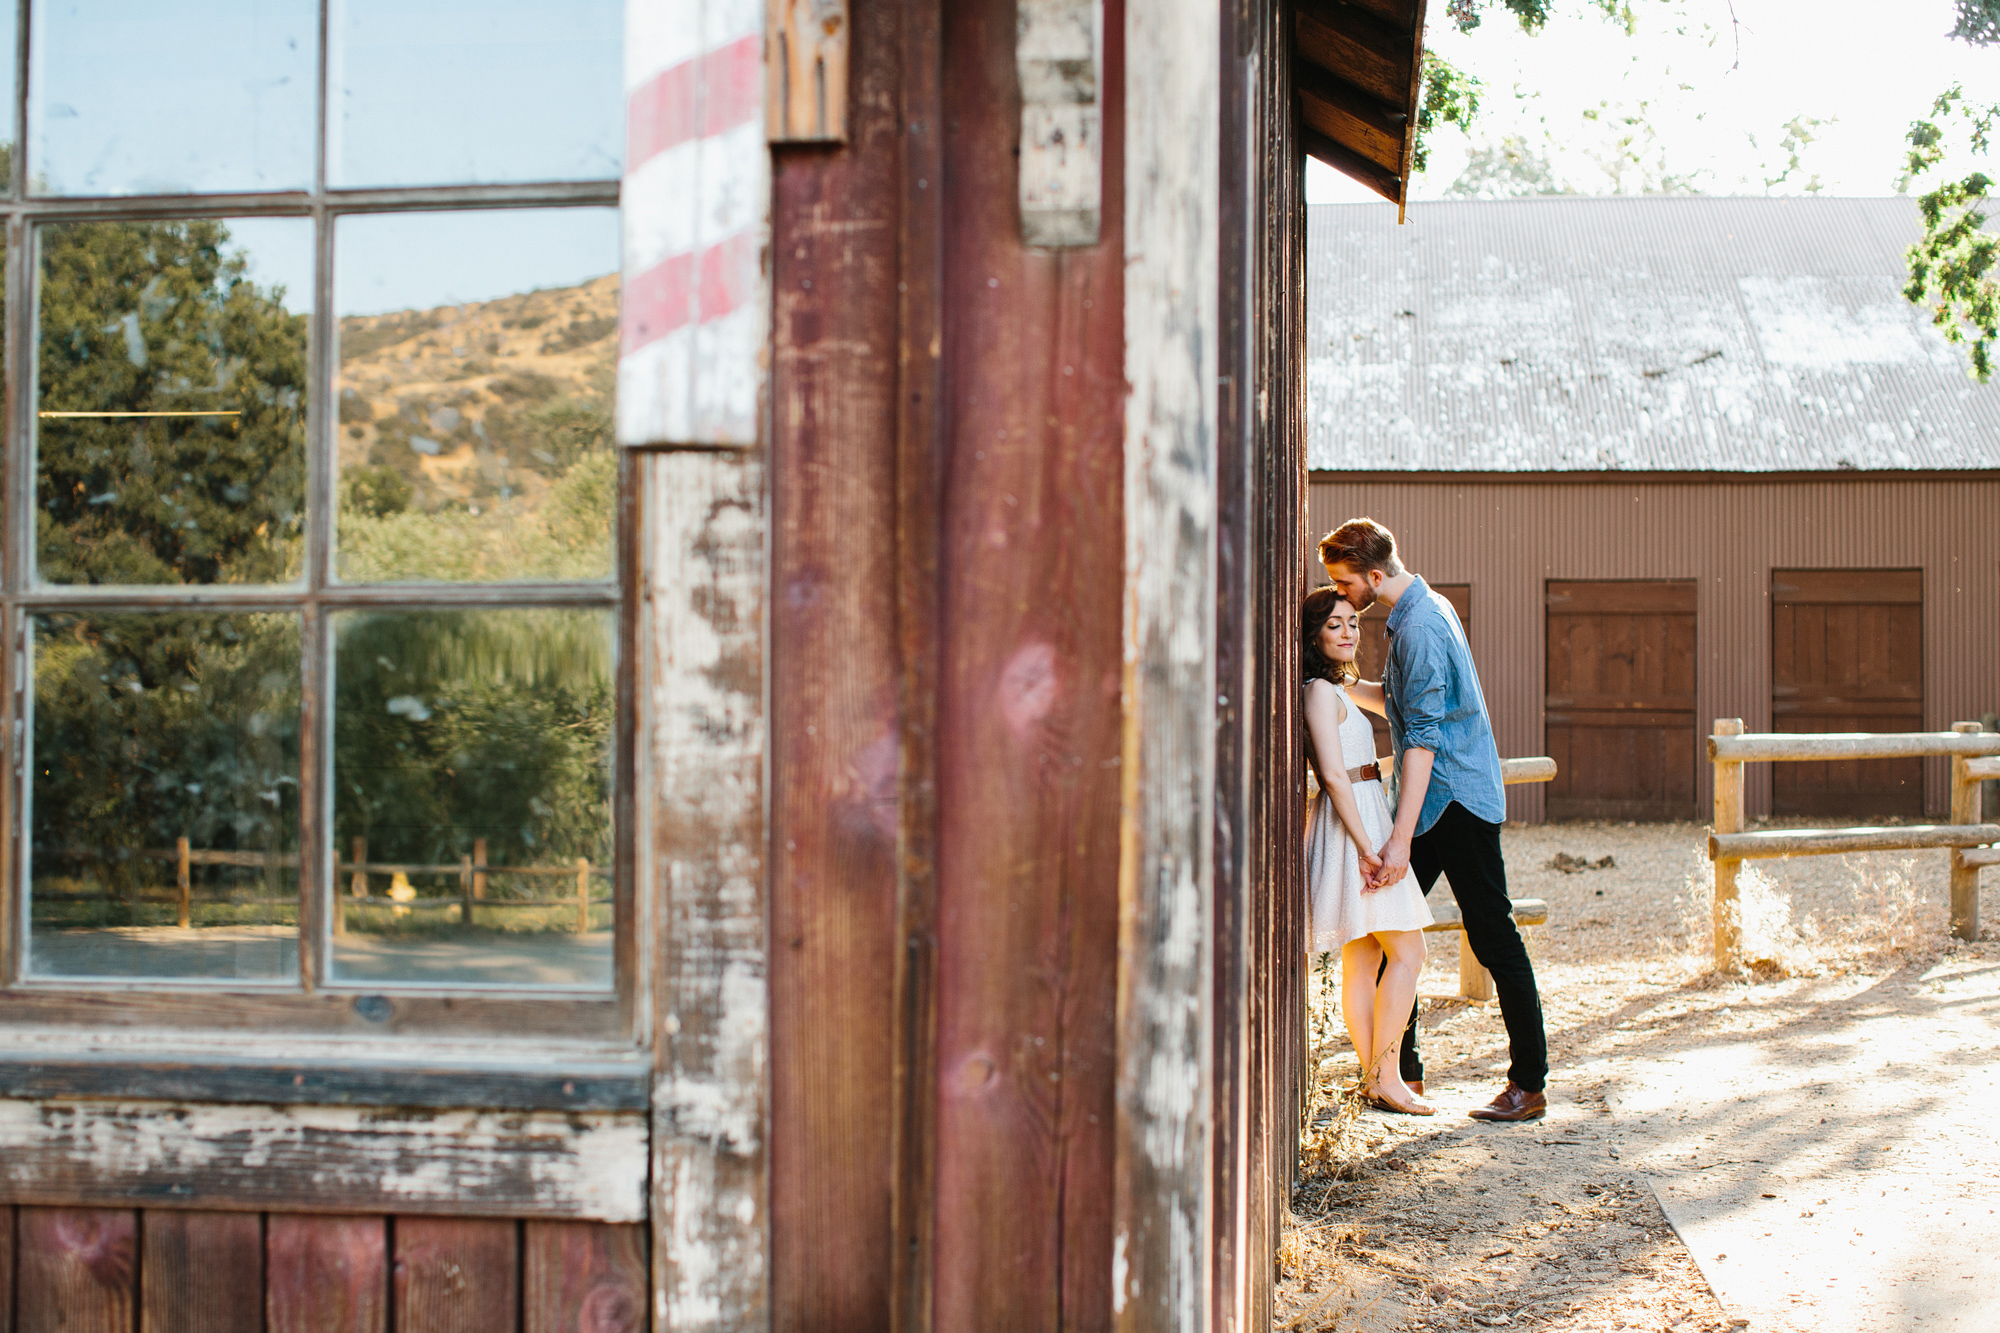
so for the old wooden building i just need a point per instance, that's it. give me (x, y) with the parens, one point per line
(1678, 459)
(650, 656)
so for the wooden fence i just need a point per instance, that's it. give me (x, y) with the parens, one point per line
(472, 872)
(1975, 757)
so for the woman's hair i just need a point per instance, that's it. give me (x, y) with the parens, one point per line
(1320, 605)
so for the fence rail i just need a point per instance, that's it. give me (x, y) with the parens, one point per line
(472, 873)
(1974, 755)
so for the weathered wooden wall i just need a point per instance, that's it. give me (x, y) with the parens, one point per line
(111, 1270)
(1259, 790)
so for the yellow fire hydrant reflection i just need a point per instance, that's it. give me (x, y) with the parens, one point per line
(400, 891)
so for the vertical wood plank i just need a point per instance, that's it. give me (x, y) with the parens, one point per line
(326, 1274)
(1171, 231)
(201, 1272)
(76, 1270)
(919, 495)
(1027, 729)
(583, 1277)
(806, 44)
(835, 747)
(702, 724)
(6, 1268)
(457, 1275)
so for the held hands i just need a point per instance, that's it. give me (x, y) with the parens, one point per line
(1371, 865)
(1391, 863)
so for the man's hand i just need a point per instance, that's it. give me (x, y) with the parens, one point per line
(1371, 866)
(1393, 862)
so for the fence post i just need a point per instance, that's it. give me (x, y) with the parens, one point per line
(1474, 981)
(1964, 878)
(184, 881)
(479, 867)
(465, 890)
(582, 895)
(1728, 917)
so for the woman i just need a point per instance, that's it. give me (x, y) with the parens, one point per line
(1346, 826)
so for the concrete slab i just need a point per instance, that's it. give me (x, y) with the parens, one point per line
(1839, 1172)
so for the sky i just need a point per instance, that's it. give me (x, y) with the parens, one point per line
(1709, 86)
(143, 96)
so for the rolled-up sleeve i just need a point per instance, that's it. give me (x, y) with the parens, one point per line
(1426, 672)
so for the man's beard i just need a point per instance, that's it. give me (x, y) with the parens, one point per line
(1367, 598)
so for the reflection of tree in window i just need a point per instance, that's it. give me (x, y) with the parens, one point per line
(151, 727)
(452, 727)
(159, 317)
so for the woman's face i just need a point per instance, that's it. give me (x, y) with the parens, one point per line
(1341, 634)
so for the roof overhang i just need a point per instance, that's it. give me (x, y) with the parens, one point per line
(1357, 65)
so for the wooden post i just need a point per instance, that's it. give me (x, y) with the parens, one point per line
(1728, 919)
(582, 895)
(357, 886)
(479, 867)
(464, 890)
(1474, 981)
(1964, 878)
(184, 881)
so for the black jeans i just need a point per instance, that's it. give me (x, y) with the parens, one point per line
(1465, 849)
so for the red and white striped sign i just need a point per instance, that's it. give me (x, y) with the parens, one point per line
(696, 214)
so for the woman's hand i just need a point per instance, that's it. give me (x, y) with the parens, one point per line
(1371, 865)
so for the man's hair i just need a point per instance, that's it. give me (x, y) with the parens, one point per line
(1363, 545)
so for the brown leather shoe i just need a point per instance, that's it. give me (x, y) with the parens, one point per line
(1416, 1085)
(1514, 1103)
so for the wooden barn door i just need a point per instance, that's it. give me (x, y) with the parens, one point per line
(1847, 654)
(1620, 719)
(1374, 649)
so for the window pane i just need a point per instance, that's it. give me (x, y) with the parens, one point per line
(445, 92)
(477, 356)
(165, 801)
(170, 432)
(192, 97)
(472, 797)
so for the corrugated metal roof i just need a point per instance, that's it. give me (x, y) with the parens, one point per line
(1649, 334)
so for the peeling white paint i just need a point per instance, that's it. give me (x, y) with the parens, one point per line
(703, 720)
(1172, 234)
(539, 1164)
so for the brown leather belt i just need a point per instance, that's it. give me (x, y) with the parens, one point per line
(1365, 773)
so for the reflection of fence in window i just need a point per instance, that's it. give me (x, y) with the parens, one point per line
(181, 898)
(472, 889)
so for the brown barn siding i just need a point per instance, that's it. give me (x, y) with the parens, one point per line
(1508, 537)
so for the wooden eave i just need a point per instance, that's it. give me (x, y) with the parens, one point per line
(1357, 65)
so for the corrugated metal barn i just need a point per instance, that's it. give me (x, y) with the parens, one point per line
(1676, 459)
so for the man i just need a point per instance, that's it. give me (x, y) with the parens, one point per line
(1451, 803)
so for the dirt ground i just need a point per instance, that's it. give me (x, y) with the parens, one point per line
(1447, 1223)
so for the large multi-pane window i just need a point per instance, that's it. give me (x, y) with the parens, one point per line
(311, 558)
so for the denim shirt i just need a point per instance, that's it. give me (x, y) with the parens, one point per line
(1434, 703)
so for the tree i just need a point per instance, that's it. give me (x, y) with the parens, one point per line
(1952, 264)
(159, 317)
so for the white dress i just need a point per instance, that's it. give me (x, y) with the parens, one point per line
(1339, 910)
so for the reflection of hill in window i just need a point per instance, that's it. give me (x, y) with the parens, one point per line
(475, 440)
(155, 317)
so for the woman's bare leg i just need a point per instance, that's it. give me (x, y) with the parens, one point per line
(1398, 991)
(1360, 960)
